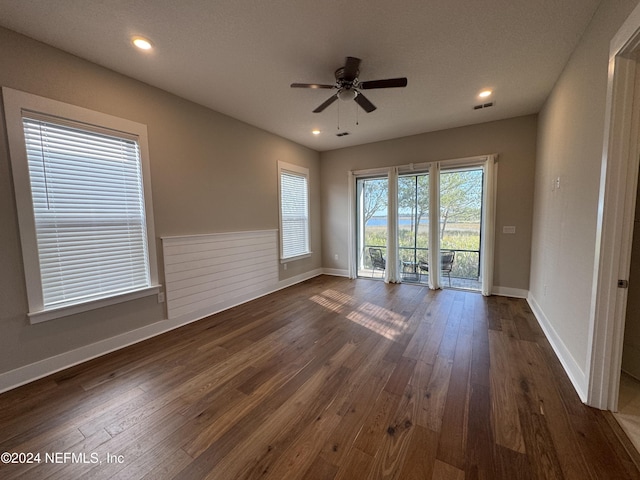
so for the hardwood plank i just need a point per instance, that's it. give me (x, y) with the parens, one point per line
(424, 316)
(70, 406)
(394, 446)
(130, 444)
(436, 332)
(453, 436)
(565, 441)
(400, 376)
(167, 467)
(377, 424)
(539, 446)
(537, 438)
(444, 471)
(595, 446)
(320, 469)
(242, 427)
(432, 398)
(512, 464)
(480, 449)
(358, 466)
(253, 457)
(354, 412)
(420, 457)
(447, 346)
(480, 359)
(299, 456)
(504, 410)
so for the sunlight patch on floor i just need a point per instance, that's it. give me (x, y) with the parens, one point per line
(377, 319)
(333, 300)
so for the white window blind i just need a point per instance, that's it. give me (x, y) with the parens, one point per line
(89, 211)
(294, 214)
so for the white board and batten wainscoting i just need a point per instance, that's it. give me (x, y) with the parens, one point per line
(208, 273)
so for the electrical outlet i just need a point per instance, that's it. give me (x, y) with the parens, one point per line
(285, 266)
(160, 297)
(335, 257)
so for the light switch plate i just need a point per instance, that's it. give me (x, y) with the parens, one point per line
(509, 229)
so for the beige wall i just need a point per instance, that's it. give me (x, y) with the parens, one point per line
(210, 173)
(515, 142)
(570, 143)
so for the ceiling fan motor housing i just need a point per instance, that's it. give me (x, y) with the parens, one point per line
(345, 82)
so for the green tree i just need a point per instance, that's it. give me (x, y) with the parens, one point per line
(413, 198)
(375, 196)
(460, 197)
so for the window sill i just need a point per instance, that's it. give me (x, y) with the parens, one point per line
(67, 310)
(297, 257)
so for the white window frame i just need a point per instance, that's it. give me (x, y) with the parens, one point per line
(15, 104)
(291, 169)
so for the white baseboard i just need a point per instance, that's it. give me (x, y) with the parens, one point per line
(34, 371)
(297, 279)
(336, 272)
(510, 292)
(571, 367)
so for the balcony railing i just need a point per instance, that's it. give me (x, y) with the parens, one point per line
(466, 265)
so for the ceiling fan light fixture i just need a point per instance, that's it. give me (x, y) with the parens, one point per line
(485, 93)
(315, 132)
(347, 94)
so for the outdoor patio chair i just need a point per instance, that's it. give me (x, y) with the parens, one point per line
(377, 260)
(446, 264)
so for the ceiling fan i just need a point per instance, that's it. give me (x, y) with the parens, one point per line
(348, 86)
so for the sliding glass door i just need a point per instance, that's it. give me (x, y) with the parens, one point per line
(452, 239)
(460, 229)
(413, 225)
(373, 217)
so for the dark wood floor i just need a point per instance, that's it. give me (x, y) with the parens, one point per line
(329, 379)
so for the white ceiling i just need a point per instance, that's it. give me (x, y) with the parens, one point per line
(240, 56)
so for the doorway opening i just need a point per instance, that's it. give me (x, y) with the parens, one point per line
(373, 225)
(628, 411)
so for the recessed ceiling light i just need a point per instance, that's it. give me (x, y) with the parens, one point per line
(485, 93)
(315, 132)
(142, 43)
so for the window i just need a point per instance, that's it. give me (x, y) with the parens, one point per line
(294, 211)
(82, 201)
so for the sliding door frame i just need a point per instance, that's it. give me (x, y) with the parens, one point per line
(490, 166)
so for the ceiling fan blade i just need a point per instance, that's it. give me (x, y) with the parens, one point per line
(351, 66)
(364, 103)
(328, 102)
(311, 85)
(388, 83)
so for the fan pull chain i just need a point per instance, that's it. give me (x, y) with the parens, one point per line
(338, 115)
